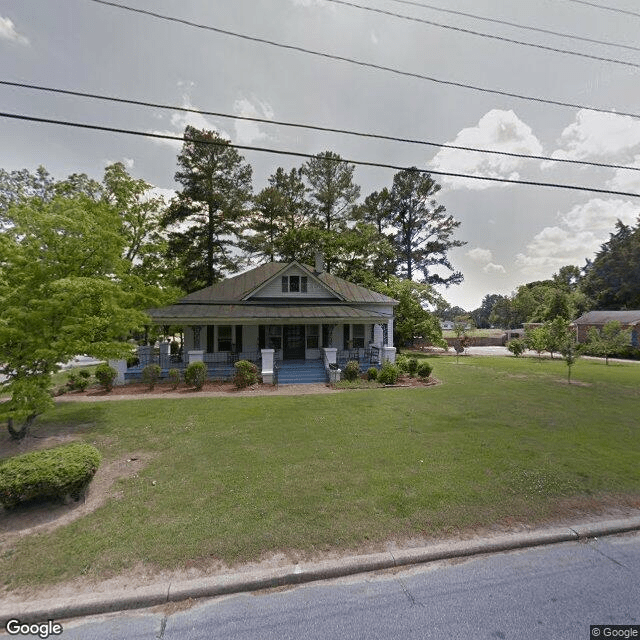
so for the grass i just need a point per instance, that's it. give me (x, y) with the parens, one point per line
(235, 478)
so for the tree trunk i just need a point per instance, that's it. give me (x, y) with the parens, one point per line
(19, 434)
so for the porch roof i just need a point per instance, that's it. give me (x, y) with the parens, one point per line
(261, 314)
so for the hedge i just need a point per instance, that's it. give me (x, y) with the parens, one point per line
(48, 474)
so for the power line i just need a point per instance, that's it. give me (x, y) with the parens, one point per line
(518, 25)
(299, 154)
(601, 6)
(485, 35)
(361, 63)
(311, 127)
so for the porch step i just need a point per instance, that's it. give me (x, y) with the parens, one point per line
(301, 372)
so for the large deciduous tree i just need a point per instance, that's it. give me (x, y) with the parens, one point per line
(209, 210)
(60, 296)
(423, 228)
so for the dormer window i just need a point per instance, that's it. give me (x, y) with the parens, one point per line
(294, 284)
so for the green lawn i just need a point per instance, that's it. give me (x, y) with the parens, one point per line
(501, 439)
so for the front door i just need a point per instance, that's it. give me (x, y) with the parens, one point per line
(293, 342)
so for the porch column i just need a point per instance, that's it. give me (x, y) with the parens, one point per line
(121, 367)
(267, 365)
(196, 336)
(388, 354)
(165, 355)
(145, 355)
(332, 354)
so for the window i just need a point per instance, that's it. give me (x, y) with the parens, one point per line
(294, 284)
(313, 333)
(273, 336)
(224, 338)
(358, 336)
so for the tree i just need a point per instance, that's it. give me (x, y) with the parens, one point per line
(209, 210)
(612, 278)
(609, 341)
(60, 296)
(503, 314)
(17, 186)
(423, 230)
(569, 349)
(482, 315)
(537, 339)
(332, 190)
(460, 327)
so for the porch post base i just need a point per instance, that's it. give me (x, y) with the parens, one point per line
(388, 354)
(195, 356)
(121, 367)
(267, 365)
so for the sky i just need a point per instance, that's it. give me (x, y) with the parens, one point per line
(514, 233)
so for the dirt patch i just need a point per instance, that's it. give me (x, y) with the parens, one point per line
(44, 517)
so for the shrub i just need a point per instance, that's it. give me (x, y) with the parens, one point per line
(412, 367)
(389, 373)
(372, 374)
(351, 370)
(48, 474)
(402, 362)
(151, 374)
(78, 381)
(196, 374)
(174, 378)
(246, 374)
(106, 375)
(517, 346)
(424, 370)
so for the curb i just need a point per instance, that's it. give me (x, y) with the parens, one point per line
(60, 609)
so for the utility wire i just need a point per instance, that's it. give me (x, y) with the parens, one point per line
(601, 6)
(311, 127)
(518, 25)
(368, 65)
(299, 154)
(485, 35)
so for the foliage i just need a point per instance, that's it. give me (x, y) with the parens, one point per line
(389, 373)
(482, 315)
(537, 339)
(461, 327)
(246, 374)
(612, 278)
(412, 367)
(372, 373)
(106, 375)
(613, 339)
(78, 380)
(568, 348)
(151, 374)
(204, 218)
(424, 370)
(517, 346)
(423, 230)
(47, 474)
(351, 370)
(402, 362)
(195, 375)
(174, 378)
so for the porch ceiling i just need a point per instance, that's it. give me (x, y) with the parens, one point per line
(260, 314)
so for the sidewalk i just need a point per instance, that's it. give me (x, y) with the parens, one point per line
(252, 580)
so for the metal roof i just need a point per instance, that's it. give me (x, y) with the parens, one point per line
(602, 317)
(247, 312)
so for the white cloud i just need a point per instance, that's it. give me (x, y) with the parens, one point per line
(625, 180)
(160, 192)
(594, 136)
(8, 32)
(582, 231)
(493, 268)
(480, 255)
(249, 132)
(179, 121)
(497, 130)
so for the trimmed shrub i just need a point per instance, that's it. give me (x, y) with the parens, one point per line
(48, 474)
(424, 370)
(402, 362)
(195, 375)
(351, 370)
(246, 374)
(151, 374)
(389, 373)
(372, 374)
(78, 380)
(412, 367)
(174, 378)
(106, 375)
(517, 346)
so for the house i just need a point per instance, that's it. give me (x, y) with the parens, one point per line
(275, 314)
(598, 319)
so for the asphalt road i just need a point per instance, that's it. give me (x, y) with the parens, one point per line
(546, 593)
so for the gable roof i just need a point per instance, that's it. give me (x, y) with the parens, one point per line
(602, 317)
(238, 289)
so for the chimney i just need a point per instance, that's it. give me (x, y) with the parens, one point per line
(319, 262)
